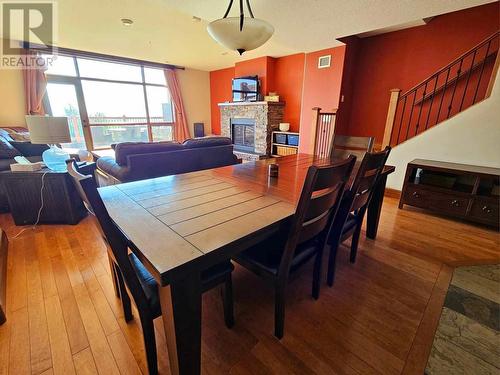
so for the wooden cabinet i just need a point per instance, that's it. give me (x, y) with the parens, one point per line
(463, 191)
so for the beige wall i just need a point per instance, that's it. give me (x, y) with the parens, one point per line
(11, 98)
(195, 87)
(470, 137)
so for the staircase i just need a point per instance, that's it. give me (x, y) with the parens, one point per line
(452, 89)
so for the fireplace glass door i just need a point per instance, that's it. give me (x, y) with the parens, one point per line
(243, 135)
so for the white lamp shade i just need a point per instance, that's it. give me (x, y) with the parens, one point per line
(48, 130)
(226, 31)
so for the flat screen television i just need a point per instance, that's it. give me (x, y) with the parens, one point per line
(245, 89)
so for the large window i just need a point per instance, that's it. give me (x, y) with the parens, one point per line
(109, 102)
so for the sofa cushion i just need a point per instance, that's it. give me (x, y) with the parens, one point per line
(206, 142)
(7, 151)
(122, 150)
(29, 149)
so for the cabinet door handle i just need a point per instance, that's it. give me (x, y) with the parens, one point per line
(416, 195)
(455, 203)
(487, 209)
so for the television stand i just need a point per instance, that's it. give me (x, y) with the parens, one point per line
(463, 191)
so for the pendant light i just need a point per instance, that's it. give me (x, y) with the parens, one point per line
(240, 33)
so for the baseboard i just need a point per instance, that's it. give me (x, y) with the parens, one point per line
(392, 193)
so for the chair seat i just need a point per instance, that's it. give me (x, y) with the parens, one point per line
(150, 286)
(350, 223)
(267, 255)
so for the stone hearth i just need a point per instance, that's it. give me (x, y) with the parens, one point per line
(267, 116)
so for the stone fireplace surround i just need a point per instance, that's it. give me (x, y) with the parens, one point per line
(267, 116)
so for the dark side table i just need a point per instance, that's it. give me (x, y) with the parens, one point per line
(61, 202)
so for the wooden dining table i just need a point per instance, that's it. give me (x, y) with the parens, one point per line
(180, 225)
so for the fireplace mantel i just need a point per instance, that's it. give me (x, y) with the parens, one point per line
(267, 116)
(231, 104)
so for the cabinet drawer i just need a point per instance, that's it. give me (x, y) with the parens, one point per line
(485, 210)
(423, 198)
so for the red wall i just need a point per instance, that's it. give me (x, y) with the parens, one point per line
(262, 67)
(220, 92)
(402, 59)
(283, 75)
(321, 88)
(288, 81)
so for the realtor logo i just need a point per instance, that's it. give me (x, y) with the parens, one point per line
(26, 25)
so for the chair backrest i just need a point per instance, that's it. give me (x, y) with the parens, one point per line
(87, 188)
(362, 187)
(318, 204)
(343, 146)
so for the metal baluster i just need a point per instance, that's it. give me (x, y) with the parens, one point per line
(411, 114)
(455, 87)
(401, 121)
(468, 78)
(432, 101)
(421, 107)
(444, 93)
(481, 73)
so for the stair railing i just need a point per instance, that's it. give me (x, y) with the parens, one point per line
(322, 132)
(442, 95)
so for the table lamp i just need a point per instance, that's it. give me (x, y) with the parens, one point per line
(51, 131)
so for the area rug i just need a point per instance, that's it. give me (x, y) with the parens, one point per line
(467, 340)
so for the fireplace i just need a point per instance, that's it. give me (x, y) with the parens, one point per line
(243, 134)
(249, 125)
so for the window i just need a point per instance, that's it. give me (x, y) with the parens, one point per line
(118, 102)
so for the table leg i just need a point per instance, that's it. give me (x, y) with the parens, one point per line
(181, 313)
(375, 207)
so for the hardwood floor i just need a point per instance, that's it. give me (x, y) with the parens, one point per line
(379, 318)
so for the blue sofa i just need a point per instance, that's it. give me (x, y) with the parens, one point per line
(142, 160)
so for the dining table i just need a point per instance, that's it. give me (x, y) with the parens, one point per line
(180, 225)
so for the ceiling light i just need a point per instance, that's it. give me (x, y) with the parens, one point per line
(127, 22)
(240, 33)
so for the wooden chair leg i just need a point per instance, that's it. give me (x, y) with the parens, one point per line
(112, 266)
(332, 263)
(227, 300)
(318, 262)
(148, 333)
(354, 242)
(279, 312)
(124, 297)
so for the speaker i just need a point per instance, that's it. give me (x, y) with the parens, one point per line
(199, 129)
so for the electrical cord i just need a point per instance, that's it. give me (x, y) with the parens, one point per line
(39, 210)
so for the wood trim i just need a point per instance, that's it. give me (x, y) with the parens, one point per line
(392, 193)
(416, 361)
(314, 126)
(391, 114)
(102, 56)
(493, 77)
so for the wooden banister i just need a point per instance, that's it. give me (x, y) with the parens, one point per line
(391, 115)
(323, 131)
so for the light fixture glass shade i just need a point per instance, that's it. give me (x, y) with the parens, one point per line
(50, 130)
(226, 31)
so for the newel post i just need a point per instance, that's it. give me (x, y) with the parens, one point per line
(391, 114)
(314, 126)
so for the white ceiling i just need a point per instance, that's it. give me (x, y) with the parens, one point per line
(164, 30)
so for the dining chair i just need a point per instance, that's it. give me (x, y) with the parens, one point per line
(283, 254)
(343, 145)
(133, 276)
(349, 219)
